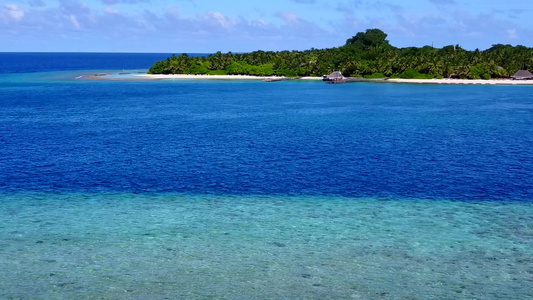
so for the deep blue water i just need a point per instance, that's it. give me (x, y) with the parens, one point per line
(287, 138)
(47, 62)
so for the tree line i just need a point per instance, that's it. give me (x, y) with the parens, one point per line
(367, 54)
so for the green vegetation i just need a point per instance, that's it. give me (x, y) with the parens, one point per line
(367, 54)
(375, 76)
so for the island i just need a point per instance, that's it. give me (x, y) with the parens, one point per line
(367, 55)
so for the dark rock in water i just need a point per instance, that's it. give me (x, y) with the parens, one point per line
(280, 244)
(64, 284)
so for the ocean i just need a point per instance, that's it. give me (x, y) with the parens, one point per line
(195, 189)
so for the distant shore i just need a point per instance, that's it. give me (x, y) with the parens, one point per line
(395, 80)
(136, 76)
(463, 81)
(221, 77)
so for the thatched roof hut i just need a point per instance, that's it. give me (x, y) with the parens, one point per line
(335, 77)
(522, 75)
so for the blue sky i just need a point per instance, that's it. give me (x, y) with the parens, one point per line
(239, 26)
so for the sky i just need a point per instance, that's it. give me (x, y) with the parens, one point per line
(206, 26)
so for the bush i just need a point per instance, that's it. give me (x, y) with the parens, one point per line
(375, 76)
(414, 74)
(410, 74)
(217, 72)
(198, 69)
(262, 70)
(478, 72)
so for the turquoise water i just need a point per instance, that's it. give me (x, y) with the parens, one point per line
(243, 189)
(127, 246)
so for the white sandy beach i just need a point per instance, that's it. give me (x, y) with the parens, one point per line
(274, 78)
(464, 81)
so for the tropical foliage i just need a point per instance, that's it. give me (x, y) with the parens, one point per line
(367, 54)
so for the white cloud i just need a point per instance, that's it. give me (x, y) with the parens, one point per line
(74, 21)
(109, 10)
(164, 28)
(512, 34)
(289, 17)
(218, 18)
(14, 11)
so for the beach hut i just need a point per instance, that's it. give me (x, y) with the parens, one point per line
(522, 75)
(335, 77)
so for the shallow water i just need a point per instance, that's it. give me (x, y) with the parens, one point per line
(237, 247)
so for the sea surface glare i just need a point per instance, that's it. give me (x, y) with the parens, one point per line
(194, 189)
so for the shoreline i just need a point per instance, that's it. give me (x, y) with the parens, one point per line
(392, 80)
(462, 81)
(129, 77)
